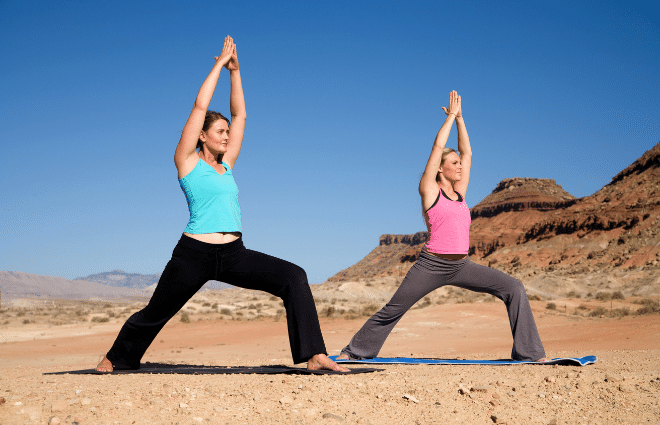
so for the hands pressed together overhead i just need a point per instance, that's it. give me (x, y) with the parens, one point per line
(454, 107)
(228, 58)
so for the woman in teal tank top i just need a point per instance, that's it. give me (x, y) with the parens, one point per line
(211, 247)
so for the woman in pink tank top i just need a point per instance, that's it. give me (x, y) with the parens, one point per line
(444, 258)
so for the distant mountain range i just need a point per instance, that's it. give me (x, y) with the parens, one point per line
(114, 284)
(119, 278)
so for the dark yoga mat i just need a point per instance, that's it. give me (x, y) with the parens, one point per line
(187, 369)
(564, 361)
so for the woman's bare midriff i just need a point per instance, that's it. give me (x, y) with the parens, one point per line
(451, 257)
(216, 238)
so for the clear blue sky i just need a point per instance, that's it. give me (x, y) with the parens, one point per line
(343, 98)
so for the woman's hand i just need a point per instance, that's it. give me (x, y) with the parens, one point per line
(232, 65)
(454, 106)
(228, 49)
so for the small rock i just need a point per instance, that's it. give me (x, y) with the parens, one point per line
(54, 420)
(411, 398)
(182, 405)
(496, 396)
(626, 388)
(286, 400)
(497, 418)
(59, 405)
(480, 388)
(541, 395)
(500, 383)
(463, 390)
(549, 379)
(613, 378)
(512, 393)
(494, 403)
(18, 403)
(329, 415)
(86, 401)
(198, 419)
(3, 401)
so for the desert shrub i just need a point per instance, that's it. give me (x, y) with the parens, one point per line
(110, 313)
(26, 321)
(225, 311)
(107, 305)
(620, 312)
(534, 298)
(369, 284)
(603, 296)
(551, 306)
(329, 311)
(100, 319)
(273, 298)
(214, 306)
(600, 311)
(649, 306)
(618, 295)
(369, 310)
(185, 317)
(206, 304)
(582, 307)
(573, 294)
(252, 307)
(20, 313)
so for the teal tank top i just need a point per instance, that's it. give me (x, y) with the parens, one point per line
(212, 200)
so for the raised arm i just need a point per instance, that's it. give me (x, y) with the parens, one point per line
(237, 110)
(428, 188)
(465, 152)
(185, 157)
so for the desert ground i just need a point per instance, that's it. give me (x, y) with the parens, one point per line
(235, 327)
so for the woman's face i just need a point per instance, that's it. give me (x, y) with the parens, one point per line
(216, 137)
(452, 167)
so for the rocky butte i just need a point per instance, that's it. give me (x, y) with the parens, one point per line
(552, 241)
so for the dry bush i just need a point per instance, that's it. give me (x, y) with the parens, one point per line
(600, 311)
(185, 317)
(100, 319)
(649, 306)
(26, 321)
(603, 296)
(329, 311)
(551, 306)
(226, 311)
(369, 310)
(534, 298)
(618, 295)
(206, 304)
(583, 307)
(619, 312)
(214, 306)
(573, 294)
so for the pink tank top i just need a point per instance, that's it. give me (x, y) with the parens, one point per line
(448, 223)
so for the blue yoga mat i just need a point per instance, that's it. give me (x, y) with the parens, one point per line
(564, 361)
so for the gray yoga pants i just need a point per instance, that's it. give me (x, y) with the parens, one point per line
(429, 273)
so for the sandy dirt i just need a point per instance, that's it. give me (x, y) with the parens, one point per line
(622, 387)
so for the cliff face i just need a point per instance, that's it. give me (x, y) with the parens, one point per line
(527, 226)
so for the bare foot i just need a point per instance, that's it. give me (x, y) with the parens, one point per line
(544, 360)
(104, 365)
(322, 362)
(342, 356)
